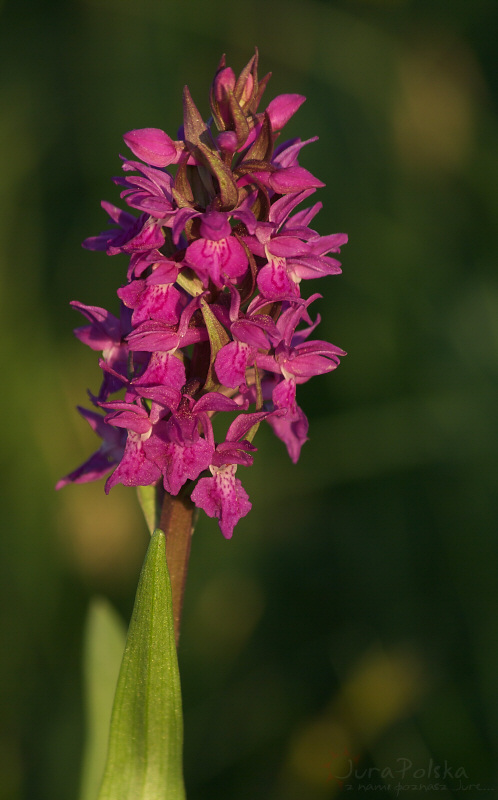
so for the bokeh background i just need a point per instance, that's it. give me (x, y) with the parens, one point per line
(352, 620)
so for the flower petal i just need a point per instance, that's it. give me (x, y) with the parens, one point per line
(223, 497)
(231, 363)
(282, 108)
(135, 469)
(153, 146)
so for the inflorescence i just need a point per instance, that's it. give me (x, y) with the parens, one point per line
(211, 319)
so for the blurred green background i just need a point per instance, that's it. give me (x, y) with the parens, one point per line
(353, 617)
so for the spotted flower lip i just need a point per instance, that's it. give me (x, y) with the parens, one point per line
(217, 258)
(212, 321)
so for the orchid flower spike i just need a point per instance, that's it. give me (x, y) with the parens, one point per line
(211, 317)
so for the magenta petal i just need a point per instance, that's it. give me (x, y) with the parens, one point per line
(215, 226)
(311, 266)
(163, 369)
(156, 206)
(166, 396)
(233, 453)
(304, 217)
(284, 396)
(162, 180)
(163, 271)
(227, 140)
(292, 179)
(231, 363)
(92, 337)
(135, 469)
(181, 218)
(274, 282)
(94, 468)
(186, 463)
(223, 82)
(223, 497)
(243, 423)
(122, 218)
(140, 261)
(152, 145)
(321, 347)
(131, 293)
(153, 335)
(219, 260)
(161, 302)
(104, 330)
(282, 207)
(287, 154)
(99, 242)
(287, 246)
(292, 429)
(96, 422)
(128, 419)
(305, 366)
(148, 237)
(282, 108)
(329, 244)
(253, 333)
(215, 401)
(178, 462)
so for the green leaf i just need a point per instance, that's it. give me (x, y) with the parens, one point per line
(144, 760)
(104, 642)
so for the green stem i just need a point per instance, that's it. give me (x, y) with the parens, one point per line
(177, 521)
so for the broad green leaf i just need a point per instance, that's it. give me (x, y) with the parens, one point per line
(144, 760)
(104, 643)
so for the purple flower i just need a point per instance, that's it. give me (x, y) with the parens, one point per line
(150, 299)
(223, 496)
(251, 332)
(182, 446)
(211, 319)
(217, 255)
(292, 249)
